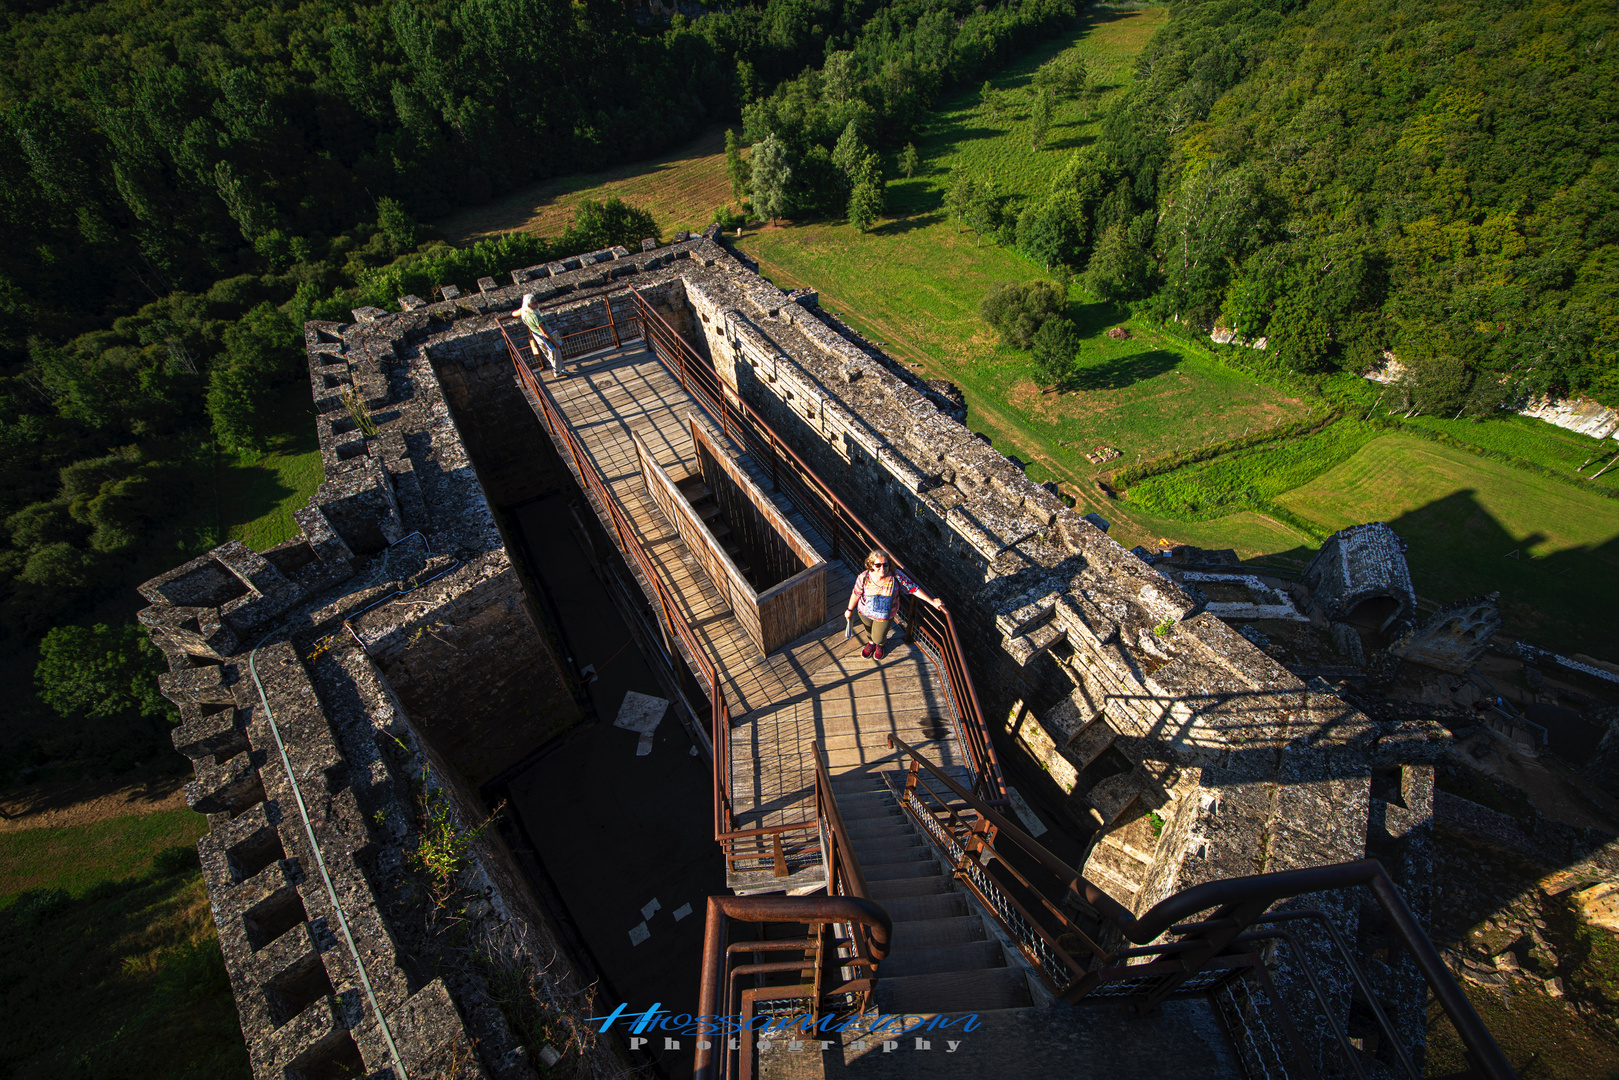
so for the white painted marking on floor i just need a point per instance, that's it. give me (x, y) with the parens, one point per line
(682, 911)
(1025, 812)
(641, 713)
(639, 933)
(652, 908)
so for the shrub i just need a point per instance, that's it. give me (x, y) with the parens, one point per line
(179, 859)
(1017, 311)
(40, 905)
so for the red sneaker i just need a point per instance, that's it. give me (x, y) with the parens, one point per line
(867, 651)
(879, 653)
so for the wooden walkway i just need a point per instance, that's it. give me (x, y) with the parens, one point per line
(818, 688)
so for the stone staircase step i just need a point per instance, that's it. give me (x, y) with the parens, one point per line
(933, 959)
(954, 991)
(894, 847)
(935, 906)
(890, 849)
(876, 829)
(884, 890)
(1121, 889)
(1114, 795)
(920, 933)
(872, 812)
(898, 871)
(1091, 741)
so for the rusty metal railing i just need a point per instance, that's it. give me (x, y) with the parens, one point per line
(763, 848)
(819, 973)
(845, 531)
(965, 830)
(1213, 926)
(843, 874)
(728, 1055)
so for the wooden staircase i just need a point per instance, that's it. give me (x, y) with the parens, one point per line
(944, 957)
(948, 956)
(707, 507)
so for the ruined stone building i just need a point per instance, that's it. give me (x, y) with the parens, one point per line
(335, 688)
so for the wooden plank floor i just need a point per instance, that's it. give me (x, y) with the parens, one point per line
(818, 688)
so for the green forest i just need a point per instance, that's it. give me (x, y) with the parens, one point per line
(1345, 177)
(185, 184)
(182, 185)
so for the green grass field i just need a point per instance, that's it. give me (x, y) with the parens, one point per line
(1465, 517)
(961, 133)
(1535, 441)
(681, 189)
(256, 499)
(109, 961)
(81, 856)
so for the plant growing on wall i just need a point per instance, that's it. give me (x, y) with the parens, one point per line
(442, 852)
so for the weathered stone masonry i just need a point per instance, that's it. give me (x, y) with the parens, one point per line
(393, 623)
(397, 618)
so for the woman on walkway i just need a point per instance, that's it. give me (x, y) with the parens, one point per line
(873, 598)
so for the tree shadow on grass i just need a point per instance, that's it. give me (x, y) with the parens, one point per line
(1123, 372)
(900, 226)
(249, 491)
(1072, 142)
(1092, 319)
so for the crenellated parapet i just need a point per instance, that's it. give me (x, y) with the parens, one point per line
(320, 681)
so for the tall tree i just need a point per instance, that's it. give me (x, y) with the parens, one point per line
(866, 199)
(772, 178)
(1039, 117)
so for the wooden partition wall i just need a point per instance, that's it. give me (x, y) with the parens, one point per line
(791, 600)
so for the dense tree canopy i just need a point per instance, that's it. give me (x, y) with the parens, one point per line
(1343, 177)
(182, 184)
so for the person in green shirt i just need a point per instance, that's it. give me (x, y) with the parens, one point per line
(539, 338)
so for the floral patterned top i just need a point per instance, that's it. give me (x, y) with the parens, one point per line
(877, 597)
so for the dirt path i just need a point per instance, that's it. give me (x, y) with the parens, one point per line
(80, 802)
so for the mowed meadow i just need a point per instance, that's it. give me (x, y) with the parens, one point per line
(913, 284)
(109, 961)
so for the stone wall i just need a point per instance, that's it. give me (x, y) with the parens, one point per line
(323, 685)
(1184, 752)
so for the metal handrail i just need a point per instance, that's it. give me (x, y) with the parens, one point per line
(715, 996)
(844, 877)
(741, 421)
(725, 830)
(1241, 902)
(965, 843)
